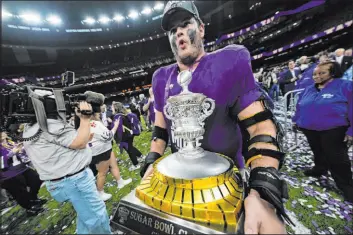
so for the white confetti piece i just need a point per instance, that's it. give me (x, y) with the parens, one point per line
(63, 227)
(309, 206)
(317, 212)
(332, 216)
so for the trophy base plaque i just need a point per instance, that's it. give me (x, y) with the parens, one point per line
(133, 216)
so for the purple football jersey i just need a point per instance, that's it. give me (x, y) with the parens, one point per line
(225, 76)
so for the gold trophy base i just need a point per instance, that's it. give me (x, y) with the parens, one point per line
(214, 202)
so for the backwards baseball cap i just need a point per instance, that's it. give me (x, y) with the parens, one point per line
(173, 7)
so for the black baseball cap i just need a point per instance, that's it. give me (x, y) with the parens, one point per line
(172, 7)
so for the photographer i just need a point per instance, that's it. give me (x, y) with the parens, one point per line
(61, 157)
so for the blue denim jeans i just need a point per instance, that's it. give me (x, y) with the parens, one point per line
(81, 191)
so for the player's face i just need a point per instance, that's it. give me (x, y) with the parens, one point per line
(185, 39)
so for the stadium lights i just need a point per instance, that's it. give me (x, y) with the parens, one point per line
(133, 14)
(31, 18)
(5, 14)
(118, 18)
(159, 6)
(89, 20)
(146, 11)
(104, 20)
(55, 20)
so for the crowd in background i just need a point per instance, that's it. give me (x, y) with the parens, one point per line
(323, 111)
(296, 74)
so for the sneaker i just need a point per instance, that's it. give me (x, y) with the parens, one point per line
(141, 159)
(132, 168)
(122, 182)
(104, 196)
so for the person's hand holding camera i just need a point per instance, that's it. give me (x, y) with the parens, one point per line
(82, 109)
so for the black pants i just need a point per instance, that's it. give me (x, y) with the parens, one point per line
(131, 150)
(331, 153)
(17, 187)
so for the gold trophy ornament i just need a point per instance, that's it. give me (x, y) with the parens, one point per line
(195, 190)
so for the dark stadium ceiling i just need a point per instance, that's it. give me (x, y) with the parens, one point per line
(68, 23)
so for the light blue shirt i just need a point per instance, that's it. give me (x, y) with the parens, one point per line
(348, 74)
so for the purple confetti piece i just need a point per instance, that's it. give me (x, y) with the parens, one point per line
(348, 229)
(315, 224)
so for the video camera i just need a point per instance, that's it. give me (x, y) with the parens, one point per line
(23, 105)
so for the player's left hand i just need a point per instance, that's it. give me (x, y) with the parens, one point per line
(260, 216)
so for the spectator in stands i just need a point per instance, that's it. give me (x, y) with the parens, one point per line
(16, 176)
(304, 63)
(348, 52)
(323, 58)
(144, 114)
(329, 131)
(288, 80)
(348, 75)
(306, 77)
(344, 61)
(124, 136)
(149, 108)
(273, 84)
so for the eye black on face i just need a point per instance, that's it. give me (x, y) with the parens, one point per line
(183, 24)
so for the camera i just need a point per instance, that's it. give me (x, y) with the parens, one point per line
(24, 105)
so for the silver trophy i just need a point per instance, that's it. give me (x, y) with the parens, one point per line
(188, 111)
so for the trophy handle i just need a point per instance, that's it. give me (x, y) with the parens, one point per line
(168, 111)
(207, 107)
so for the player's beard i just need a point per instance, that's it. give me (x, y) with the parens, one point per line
(195, 43)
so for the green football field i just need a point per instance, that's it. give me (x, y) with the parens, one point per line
(310, 205)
